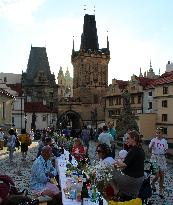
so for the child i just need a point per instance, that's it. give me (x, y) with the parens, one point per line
(121, 155)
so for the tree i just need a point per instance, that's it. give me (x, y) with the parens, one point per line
(126, 119)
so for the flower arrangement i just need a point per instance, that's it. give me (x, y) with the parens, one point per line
(101, 175)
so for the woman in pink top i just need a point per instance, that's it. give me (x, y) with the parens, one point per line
(158, 147)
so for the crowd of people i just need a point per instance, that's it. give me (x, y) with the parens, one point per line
(128, 166)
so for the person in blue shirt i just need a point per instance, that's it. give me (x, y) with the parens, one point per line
(112, 131)
(41, 173)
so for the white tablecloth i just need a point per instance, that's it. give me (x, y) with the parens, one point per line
(61, 168)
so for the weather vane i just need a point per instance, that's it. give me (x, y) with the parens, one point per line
(84, 7)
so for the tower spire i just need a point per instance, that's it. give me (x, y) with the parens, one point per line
(151, 69)
(73, 45)
(107, 41)
(140, 74)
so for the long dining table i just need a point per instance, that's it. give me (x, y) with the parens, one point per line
(61, 163)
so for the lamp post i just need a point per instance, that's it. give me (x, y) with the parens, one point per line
(94, 117)
(25, 117)
(21, 101)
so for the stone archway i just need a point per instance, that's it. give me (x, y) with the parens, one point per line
(70, 119)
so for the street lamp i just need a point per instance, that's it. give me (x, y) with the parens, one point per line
(25, 117)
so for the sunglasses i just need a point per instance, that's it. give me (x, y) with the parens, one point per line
(98, 151)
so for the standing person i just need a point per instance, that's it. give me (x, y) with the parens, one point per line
(11, 143)
(105, 137)
(1, 139)
(158, 146)
(85, 134)
(112, 131)
(25, 142)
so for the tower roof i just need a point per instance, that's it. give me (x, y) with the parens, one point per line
(38, 61)
(89, 38)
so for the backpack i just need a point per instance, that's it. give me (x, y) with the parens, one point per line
(7, 187)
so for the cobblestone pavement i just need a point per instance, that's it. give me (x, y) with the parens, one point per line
(20, 171)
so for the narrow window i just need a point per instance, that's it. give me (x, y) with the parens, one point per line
(164, 117)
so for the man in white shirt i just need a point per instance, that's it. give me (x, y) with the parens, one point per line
(105, 137)
(158, 146)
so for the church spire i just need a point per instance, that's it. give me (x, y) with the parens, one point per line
(140, 74)
(107, 41)
(151, 69)
(73, 44)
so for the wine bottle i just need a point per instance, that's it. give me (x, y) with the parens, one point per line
(94, 194)
(70, 158)
(84, 194)
(100, 200)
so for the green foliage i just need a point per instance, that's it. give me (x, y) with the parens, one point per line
(126, 120)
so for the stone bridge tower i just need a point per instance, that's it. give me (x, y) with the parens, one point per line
(90, 65)
(90, 74)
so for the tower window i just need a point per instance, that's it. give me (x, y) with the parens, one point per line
(150, 93)
(139, 99)
(150, 105)
(165, 90)
(164, 117)
(165, 130)
(164, 103)
(110, 101)
(132, 99)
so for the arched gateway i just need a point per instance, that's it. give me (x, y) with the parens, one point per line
(70, 119)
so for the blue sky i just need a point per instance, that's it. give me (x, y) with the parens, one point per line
(139, 30)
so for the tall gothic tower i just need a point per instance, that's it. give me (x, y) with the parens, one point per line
(38, 83)
(90, 64)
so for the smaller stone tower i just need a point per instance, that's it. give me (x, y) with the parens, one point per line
(37, 82)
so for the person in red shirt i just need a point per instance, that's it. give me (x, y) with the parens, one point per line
(78, 150)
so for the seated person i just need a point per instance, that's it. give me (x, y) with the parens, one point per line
(104, 154)
(41, 173)
(78, 150)
(48, 141)
(129, 176)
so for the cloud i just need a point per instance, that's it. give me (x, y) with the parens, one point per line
(19, 11)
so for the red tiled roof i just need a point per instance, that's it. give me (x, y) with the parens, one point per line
(164, 80)
(16, 87)
(145, 82)
(37, 107)
(166, 74)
